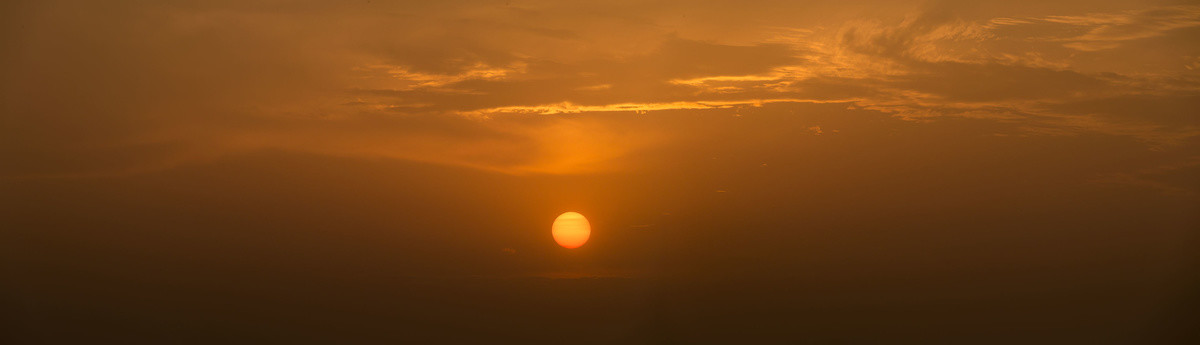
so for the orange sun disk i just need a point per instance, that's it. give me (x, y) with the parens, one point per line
(571, 230)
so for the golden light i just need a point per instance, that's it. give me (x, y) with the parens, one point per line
(571, 230)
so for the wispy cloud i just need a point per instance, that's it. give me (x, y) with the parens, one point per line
(1109, 30)
(458, 85)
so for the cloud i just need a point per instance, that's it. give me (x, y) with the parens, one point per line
(126, 88)
(598, 83)
(641, 108)
(1108, 30)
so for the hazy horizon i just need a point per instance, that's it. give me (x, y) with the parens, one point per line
(752, 172)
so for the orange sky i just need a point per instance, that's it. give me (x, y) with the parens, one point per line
(448, 83)
(785, 161)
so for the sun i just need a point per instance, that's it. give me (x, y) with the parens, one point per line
(571, 230)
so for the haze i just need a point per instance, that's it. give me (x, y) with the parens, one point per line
(753, 171)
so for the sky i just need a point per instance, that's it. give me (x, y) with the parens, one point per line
(753, 171)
